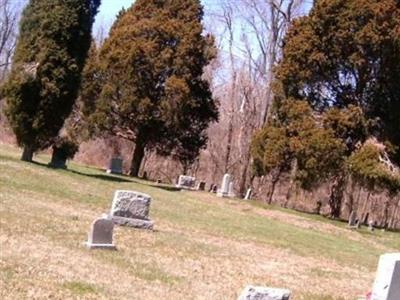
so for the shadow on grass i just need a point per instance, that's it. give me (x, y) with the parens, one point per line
(102, 176)
(96, 176)
(166, 187)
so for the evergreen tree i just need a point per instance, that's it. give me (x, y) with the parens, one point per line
(347, 52)
(153, 92)
(336, 90)
(55, 37)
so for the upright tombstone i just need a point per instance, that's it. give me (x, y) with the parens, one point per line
(387, 280)
(248, 195)
(264, 293)
(224, 191)
(115, 166)
(130, 208)
(214, 189)
(231, 192)
(186, 182)
(101, 234)
(201, 186)
(211, 188)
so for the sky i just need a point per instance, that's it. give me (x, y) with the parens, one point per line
(108, 11)
(110, 8)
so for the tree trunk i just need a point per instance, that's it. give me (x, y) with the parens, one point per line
(274, 180)
(243, 177)
(58, 159)
(27, 153)
(137, 158)
(336, 195)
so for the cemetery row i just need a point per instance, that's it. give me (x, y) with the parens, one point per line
(131, 208)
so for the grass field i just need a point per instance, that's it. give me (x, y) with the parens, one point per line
(203, 247)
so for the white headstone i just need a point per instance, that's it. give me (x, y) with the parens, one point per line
(387, 280)
(224, 191)
(248, 195)
(231, 192)
(186, 182)
(131, 208)
(264, 293)
(101, 234)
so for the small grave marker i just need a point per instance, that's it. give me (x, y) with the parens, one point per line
(224, 191)
(201, 186)
(101, 234)
(186, 182)
(115, 166)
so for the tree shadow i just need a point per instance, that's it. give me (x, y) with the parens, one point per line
(102, 176)
(166, 187)
(105, 177)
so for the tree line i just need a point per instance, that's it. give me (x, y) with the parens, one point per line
(311, 94)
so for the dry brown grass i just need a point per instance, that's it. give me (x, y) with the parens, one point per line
(203, 247)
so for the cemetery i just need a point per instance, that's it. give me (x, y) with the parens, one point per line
(61, 237)
(200, 149)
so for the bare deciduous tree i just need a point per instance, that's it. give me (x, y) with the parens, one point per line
(9, 15)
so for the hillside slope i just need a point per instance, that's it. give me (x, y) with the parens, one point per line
(203, 247)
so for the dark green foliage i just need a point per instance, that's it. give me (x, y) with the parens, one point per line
(66, 148)
(343, 60)
(55, 36)
(153, 92)
(367, 167)
(296, 137)
(347, 52)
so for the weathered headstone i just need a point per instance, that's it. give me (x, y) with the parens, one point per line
(131, 208)
(248, 195)
(186, 182)
(264, 293)
(352, 219)
(387, 280)
(214, 189)
(101, 234)
(231, 192)
(115, 166)
(224, 191)
(201, 186)
(211, 188)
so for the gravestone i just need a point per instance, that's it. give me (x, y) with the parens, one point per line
(130, 208)
(248, 195)
(115, 166)
(211, 188)
(387, 280)
(224, 191)
(264, 293)
(201, 186)
(352, 219)
(371, 225)
(214, 189)
(101, 234)
(186, 182)
(231, 192)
